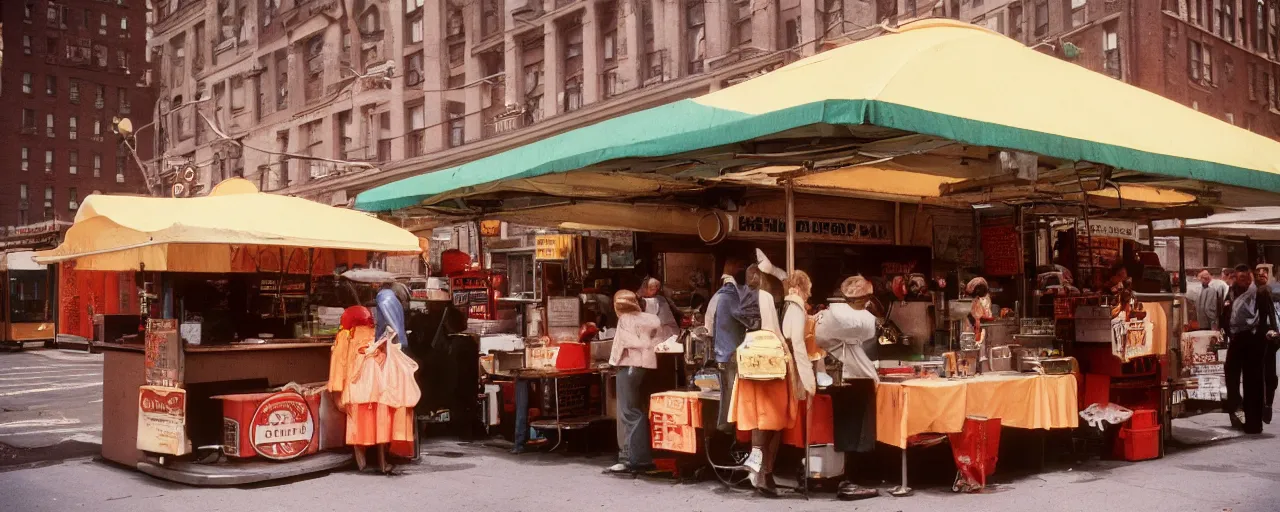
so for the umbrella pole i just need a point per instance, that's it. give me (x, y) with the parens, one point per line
(791, 267)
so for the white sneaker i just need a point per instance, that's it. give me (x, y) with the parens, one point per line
(754, 460)
(617, 468)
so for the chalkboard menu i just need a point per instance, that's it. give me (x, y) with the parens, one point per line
(1000, 255)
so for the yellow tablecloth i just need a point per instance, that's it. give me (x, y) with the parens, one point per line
(904, 409)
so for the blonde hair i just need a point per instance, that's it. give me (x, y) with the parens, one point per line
(857, 290)
(799, 283)
(625, 301)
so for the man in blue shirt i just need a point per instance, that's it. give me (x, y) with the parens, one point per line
(729, 321)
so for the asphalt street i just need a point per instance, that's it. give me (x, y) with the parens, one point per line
(51, 423)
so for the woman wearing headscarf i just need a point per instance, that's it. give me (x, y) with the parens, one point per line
(634, 355)
(379, 392)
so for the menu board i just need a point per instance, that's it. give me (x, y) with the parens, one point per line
(1000, 255)
(162, 363)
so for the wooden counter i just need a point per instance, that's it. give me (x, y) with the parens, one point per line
(258, 365)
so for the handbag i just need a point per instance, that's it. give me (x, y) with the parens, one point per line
(887, 332)
(762, 356)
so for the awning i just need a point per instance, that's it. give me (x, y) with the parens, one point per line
(1261, 223)
(198, 234)
(939, 78)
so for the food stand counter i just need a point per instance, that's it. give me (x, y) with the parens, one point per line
(274, 364)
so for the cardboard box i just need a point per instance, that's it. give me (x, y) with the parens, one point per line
(679, 407)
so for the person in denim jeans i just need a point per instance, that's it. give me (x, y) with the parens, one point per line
(634, 355)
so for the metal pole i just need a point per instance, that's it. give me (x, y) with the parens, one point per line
(1182, 258)
(791, 228)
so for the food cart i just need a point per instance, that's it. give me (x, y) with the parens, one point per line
(27, 300)
(230, 343)
(883, 119)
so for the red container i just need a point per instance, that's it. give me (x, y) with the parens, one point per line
(976, 449)
(1140, 444)
(1143, 419)
(573, 356)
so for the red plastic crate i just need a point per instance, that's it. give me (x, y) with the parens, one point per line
(1143, 419)
(1140, 444)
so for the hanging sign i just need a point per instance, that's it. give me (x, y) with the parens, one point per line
(552, 247)
(162, 362)
(490, 228)
(1000, 253)
(1108, 229)
(283, 426)
(162, 420)
(812, 229)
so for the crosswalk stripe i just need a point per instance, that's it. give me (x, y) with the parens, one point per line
(53, 431)
(2, 379)
(51, 422)
(53, 388)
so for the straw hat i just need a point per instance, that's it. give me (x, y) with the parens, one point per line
(856, 287)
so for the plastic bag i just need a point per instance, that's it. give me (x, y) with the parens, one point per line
(399, 389)
(1114, 414)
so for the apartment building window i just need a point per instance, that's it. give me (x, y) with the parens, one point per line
(282, 80)
(48, 203)
(832, 17)
(490, 17)
(791, 33)
(695, 34)
(417, 123)
(26, 83)
(415, 30)
(26, 158)
(1200, 62)
(48, 160)
(97, 165)
(1259, 26)
(315, 67)
(124, 25)
(412, 5)
(28, 121)
(237, 93)
(1273, 102)
(121, 164)
(1079, 12)
(1195, 11)
(71, 128)
(48, 126)
(26, 10)
(50, 85)
(573, 66)
(73, 162)
(457, 123)
(102, 25)
(1111, 50)
(122, 99)
(26, 45)
(100, 97)
(1042, 17)
(1226, 26)
(73, 91)
(74, 202)
(413, 69)
(609, 34)
(97, 129)
(23, 197)
(740, 13)
(1273, 32)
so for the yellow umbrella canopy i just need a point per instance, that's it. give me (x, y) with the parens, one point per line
(205, 234)
(929, 83)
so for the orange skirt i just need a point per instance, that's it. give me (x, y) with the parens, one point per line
(370, 424)
(763, 405)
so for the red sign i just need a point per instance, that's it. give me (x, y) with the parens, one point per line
(1000, 250)
(282, 427)
(162, 414)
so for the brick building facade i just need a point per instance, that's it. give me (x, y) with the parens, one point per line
(330, 97)
(69, 67)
